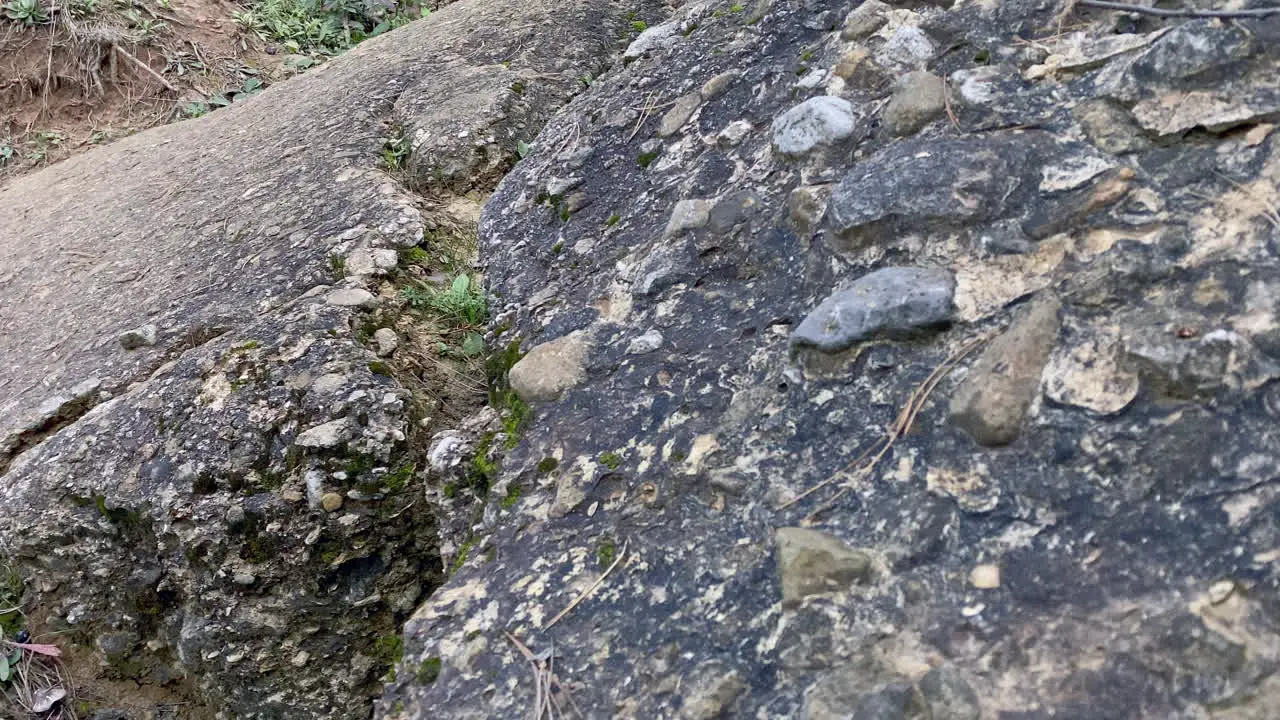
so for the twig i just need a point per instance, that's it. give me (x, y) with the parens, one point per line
(946, 103)
(145, 67)
(587, 593)
(860, 467)
(1189, 13)
(543, 674)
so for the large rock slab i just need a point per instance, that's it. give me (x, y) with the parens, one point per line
(1126, 537)
(205, 473)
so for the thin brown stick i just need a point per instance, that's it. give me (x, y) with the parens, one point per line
(144, 66)
(587, 593)
(1188, 13)
(946, 103)
(901, 426)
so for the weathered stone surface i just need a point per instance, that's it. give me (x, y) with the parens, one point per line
(993, 402)
(143, 336)
(892, 301)
(1092, 374)
(679, 114)
(814, 123)
(919, 98)
(863, 20)
(673, 469)
(550, 368)
(812, 562)
(954, 183)
(116, 495)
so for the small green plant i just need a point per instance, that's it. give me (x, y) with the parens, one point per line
(512, 497)
(613, 220)
(194, 110)
(414, 256)
(737, 8)
(84, 8)
(388, 650)
(399, 478)
(645, 158)
(6, 153)
(395, 150)
(11, 587)
(44, 142)
(326, 27)
(547, 465)
(523, 149)
(460, 558)
(463, 303)
(611, 460)
(639, 25)
(27, 12)
(557, 248)
(337, 266)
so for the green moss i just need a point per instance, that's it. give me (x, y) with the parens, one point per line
(606, 550)
(557, 248)
(644, 159)
(461, 558)
(337, 267)
(547, 464)
(271, 479)
(450, 489)
(517, 87)
(359, 464)
(377, 367)
(512, 497)
(639, 25)
(482, 471)
(563, 212)
(515, 416)
(428, 671)
(611, 460)
(414, 256)
(737, 8)
(246, 346)
(613, 220)
(399, 478)
(258, 548)
(11, 586)
(388, 650)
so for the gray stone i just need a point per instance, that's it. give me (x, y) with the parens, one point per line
(918, 100)
(387, 341)
(994, 399)
(950, 695)
(646, 343)
(734, 133)
(352, 297)
(814, 123)
(144, 336)
(866, 18)
(908, 48)
(326, 435)
(679, 114)
(918, 183)
(1190, 49)
(244, 579)
(888, 302)
(688, 215)
(550, 368)
(116, 646)
(812, 562)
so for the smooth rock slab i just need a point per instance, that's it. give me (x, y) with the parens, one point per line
(812, 562)
(994, 399)
(892, 301)
(813, 123)
(550, 368)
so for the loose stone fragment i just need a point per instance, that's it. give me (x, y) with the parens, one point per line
(144, 336)
(812, 562)
(994, 399)
(891, 301)
(815, 122)
(919, 99)
(550, 368)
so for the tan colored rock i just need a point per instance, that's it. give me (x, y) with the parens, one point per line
(812, 562)
(994, 399)
(331, 502)
(1092, 375)
(550, 368)
(918, 100)
(985, 577)
(679, 114)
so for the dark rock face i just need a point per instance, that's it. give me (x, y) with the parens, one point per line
(1116, 557)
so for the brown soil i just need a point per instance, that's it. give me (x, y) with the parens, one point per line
(78, 82)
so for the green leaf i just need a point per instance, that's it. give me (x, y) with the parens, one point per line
(472, 344)
(15, 656)
(252, 84)
(522, 149)
(461, 284)
(5, 674)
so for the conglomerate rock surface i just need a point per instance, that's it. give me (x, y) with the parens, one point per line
(1014, 300)
(204, 471)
